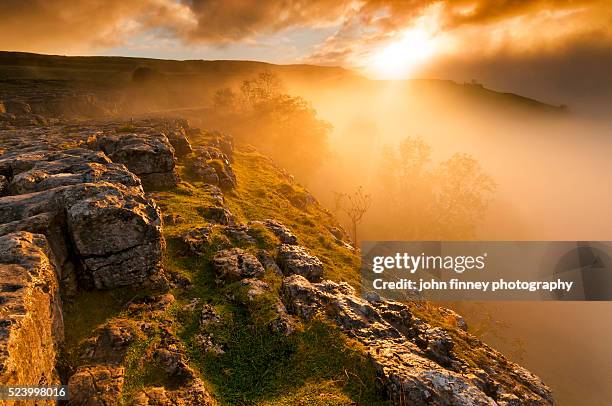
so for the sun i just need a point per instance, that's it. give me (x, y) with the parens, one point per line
(398, 59)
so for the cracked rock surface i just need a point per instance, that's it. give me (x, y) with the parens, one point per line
(415, 362)
(31, 326)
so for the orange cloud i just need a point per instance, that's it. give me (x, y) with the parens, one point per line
(66, 26)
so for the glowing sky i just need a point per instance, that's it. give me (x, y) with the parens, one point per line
(505, 42)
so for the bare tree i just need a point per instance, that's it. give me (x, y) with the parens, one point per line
(357, 204)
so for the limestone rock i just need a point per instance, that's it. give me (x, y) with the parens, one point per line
(96, 385)
(115, 231)
(173, 363)
(268, 262)
(415, 362)
(235, 264)
(296, 260)
(255, 292)
(179, 141)
(239, 233)
(213, 167)
(196, 240)
(109, 344)
(195, 394)
(209, 319)
(216, 214)
(31, 325)
(40, 170)
(149, 156)
(284, 234)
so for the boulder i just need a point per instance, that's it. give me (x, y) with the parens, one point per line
(194, 394)
(240, 234)
(254, 294)
(149, 156)
(114, 231)
(179, 141)
(235, 264)
(296, 260)
(212, 167)
(268, 262)
(110, 343)
(51, 169)
(217, 214)
(173, 362)
(96, 385)
(284, 234)
(31, 326)
(196, 240)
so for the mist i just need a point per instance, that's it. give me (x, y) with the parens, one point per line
(550, 167)
(551, 171)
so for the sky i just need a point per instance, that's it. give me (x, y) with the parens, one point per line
(556, 50)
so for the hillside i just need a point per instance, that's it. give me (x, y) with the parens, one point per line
(197, 80)
(148, 262)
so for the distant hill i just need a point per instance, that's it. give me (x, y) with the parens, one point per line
(198, 79)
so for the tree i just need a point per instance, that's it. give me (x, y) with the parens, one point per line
(283, 126)
(443, 201)
(265, 86)
(225, 99)
(462, 191)
(357, 204)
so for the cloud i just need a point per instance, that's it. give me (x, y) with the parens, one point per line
(475, 38)
(92, 24)
(235, 20)
(63, 25)
(471, 27)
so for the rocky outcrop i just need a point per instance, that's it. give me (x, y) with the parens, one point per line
(74, 213)
(31, 326)
(415, 361)
(148, 155)
(96, 385)
(175, 131)
(195, 394)
(217, 214)
(114, 232)
(284, 234)
(31, 102)
(103, 231)
(104, 360)
(211, 163)
(235, 264)
(296, 260)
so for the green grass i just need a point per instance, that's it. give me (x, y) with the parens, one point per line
(261, 367)
(318, 364)
(83, 313)
(264, 192)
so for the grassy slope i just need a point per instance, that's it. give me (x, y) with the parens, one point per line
(317, 365)
(195, 77)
